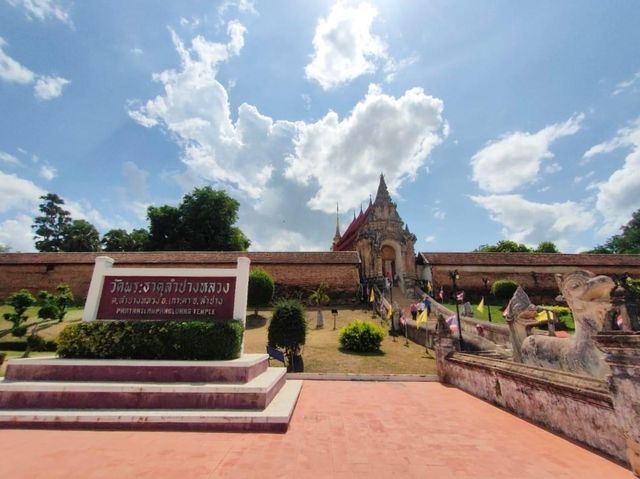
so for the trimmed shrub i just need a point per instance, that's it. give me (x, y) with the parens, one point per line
(288, 326)
(261, 287)
(361, 337)
(504, 289)
(185, 340)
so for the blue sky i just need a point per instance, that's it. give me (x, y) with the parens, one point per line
(490, 120)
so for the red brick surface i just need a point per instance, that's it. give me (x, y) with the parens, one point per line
(338, 430)
(45, 271)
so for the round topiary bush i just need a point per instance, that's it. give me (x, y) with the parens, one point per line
(288, 326)
(504, 289)
(361, 337)
(261, 287)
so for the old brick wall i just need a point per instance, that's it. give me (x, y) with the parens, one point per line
(305, 271)
(538, 281)
(580, 408)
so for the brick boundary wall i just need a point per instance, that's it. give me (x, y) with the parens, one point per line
(306, 270)
(535, 272)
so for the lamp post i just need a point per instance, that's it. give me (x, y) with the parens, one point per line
(486, 292)
(454, 278)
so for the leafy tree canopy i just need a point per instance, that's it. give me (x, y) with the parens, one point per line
(116, 240)
(546, 247)
(503, 246)
(49, 226)
(80, 235)
(627, 242)
(203, 221)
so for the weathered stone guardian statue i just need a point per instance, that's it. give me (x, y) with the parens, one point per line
(589, 297)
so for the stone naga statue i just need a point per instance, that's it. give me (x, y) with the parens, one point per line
(589, 297)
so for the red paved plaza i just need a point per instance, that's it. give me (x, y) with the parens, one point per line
(338, 430)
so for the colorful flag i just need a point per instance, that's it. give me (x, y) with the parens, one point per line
(460, 296)
(441, 294)
(543, 315)
(422, 318)
(480, 306)
(372, 296)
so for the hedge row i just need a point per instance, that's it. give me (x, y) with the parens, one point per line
(189, 340)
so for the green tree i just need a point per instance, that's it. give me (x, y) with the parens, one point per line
(80, 235)
(117, 240)
(54, 306)
(19, 301)
(165, 228)
(49, 226)
(261, 288)
(208, 217)
(139, 239)
(503, 246)
(288, 327)
(627, 242)
(5, 248)
(546, 247)
(203, 221)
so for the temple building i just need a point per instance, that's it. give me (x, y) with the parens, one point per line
(384, 243)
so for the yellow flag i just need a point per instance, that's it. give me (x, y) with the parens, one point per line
(542, 316)
(422, 318)
(372, 296)
(480, 306)
(390, 312)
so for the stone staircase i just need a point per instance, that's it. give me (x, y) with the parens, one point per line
(238, 395)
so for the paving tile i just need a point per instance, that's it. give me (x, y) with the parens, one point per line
(338, 430)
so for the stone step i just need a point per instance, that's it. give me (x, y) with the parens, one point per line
(274, 418)
(255, 394)
(240, 370)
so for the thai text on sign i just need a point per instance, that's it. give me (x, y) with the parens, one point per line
(167, 298)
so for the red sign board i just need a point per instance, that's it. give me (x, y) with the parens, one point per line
(179, 298)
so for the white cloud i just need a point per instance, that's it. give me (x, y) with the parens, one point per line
(195, 110)
(48, 172)
(381, 134)
(247, 156)
(48, 88)
(581, 178)
(18, 193)
(430, 239)
(393, 67)
(618, 197)
(8, 158)
(344, 47)
(626, 84)
(11, 70)
(439, 214)
(515, 159)
(17, 233)
(530, 223)
(137, 51)
(552, 168)
(45, 88)
(43, 10)
(82, 210)
(243, 6)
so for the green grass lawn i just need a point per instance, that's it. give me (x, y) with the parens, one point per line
(321, 353)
